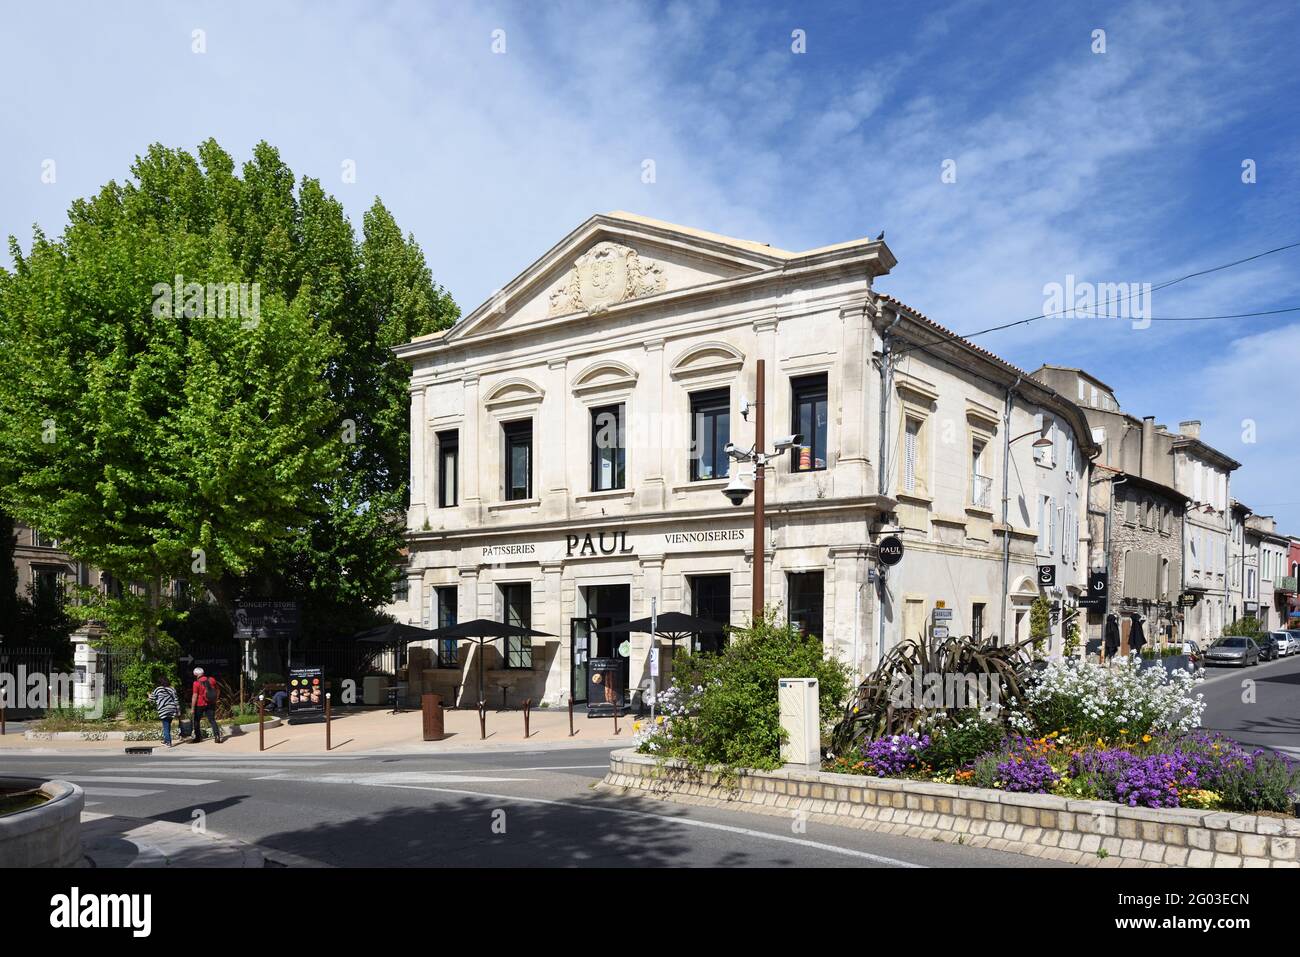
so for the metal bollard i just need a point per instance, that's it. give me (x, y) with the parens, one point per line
(528, 704)
(482, 720)
(261, 722)
(327, 721)
(570, 717)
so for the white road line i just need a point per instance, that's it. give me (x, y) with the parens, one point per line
(385, 778)
(114, 779)
(684, 821)
(117, 792)
(204, 769)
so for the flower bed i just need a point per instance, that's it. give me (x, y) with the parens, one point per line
(1122, 734)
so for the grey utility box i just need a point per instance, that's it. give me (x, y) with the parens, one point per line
(801, 722)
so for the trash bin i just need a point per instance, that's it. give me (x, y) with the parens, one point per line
(431, 709)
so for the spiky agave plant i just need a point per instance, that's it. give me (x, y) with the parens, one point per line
(877, 708)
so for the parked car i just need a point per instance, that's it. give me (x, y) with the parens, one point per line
(1233, 650)
(1287, 644)
(1295, 639)
(1195, 655)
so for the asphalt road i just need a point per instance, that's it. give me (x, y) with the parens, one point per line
(1259, 705)
(498, 809)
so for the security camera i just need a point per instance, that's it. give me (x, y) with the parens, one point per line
(737, 490)
(788, 442)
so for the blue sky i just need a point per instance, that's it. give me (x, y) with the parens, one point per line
(1122, 166)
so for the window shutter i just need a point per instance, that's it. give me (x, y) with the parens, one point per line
(909, 456)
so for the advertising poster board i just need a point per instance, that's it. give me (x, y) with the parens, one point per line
(306, 695)
(606, 687)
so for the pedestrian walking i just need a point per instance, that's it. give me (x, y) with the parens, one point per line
(167, 703)
(203, 701)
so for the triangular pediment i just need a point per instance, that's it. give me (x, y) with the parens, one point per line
(610, 261)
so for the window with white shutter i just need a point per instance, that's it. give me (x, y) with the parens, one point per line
(911, 436)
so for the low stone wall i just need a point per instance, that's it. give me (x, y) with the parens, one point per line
(48, 835)
(1088, 833)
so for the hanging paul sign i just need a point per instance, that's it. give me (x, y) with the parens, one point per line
(306, 695)
(891, 550)
(1047, 575)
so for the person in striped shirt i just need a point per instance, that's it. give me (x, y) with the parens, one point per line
(167, 703)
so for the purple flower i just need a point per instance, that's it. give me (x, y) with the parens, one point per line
(1031, 774)
(895, 754)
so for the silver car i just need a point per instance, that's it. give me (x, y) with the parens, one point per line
(1233, 650)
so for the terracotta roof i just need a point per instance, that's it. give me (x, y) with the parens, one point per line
(926, 320)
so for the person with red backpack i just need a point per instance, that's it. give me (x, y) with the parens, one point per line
(203, 700)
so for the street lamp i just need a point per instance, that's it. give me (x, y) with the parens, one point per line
(738, 490)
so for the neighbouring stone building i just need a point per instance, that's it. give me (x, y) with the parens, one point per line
(1202, 474)
(1135, 512)
(1275, 587)
(569, 451)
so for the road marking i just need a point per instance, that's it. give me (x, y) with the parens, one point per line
(684, 821)
(117, 792)
(392, 778)
(106, 779)
(204, 769)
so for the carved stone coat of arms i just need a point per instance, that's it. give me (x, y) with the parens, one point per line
(605, 275)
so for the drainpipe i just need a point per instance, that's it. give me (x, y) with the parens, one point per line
(882, 480)
(1006, 493)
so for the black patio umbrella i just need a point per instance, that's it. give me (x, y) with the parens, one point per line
(481, 631)
(1111, 635)
(673, 625)
(393, 634)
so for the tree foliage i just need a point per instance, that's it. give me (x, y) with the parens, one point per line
(254, 442)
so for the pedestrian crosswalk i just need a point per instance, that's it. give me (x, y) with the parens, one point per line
(145, 778)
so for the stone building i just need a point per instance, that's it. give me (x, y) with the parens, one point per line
(1202, 474)
(569, 448)
(1274, 585)
(1135, 511)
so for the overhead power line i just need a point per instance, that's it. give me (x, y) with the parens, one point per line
(954, 337)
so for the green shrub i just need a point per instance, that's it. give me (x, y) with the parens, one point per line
(958, 742)
(724, 708)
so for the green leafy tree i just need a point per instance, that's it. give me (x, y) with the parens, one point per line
(164, 427)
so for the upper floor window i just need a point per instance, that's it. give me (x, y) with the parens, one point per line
(608, 449)
(911, 453)
(1046, 454)
(710, 434)
(41, 540)
(402, 589)
(448, 469)
(808, 419)
(981, 491)
(518, 459)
